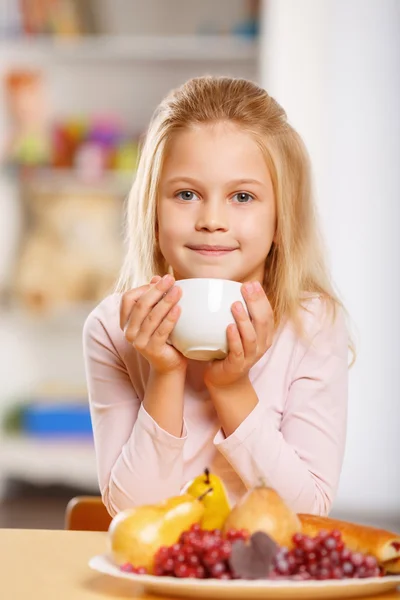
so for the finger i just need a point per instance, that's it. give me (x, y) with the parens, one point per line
(129, 299)
(235, 347)
(157, 314)
(246, 330)
(164, 330)
(127, 302)
(145, 303)
(260, 311)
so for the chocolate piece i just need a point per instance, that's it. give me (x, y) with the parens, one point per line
(254, 559)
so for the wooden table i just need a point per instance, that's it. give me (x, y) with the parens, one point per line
(52, 565)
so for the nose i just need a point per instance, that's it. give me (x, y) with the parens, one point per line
(212, 216)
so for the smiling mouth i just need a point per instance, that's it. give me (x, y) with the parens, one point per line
(212, 250)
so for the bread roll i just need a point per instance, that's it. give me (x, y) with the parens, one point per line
(392, 567)
(382, 544)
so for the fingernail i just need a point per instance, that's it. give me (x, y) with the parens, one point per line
(249, 287)
(258, 287)
(239, 307)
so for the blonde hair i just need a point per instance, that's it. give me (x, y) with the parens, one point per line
(295, 265)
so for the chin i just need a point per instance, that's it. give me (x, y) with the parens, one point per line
(206, 271)
(213, 275)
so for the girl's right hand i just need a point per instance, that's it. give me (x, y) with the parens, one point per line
(148, 315)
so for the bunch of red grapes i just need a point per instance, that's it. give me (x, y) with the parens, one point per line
(199, 553)
(322, 557)
(202, 554)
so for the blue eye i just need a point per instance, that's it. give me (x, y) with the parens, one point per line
(243, 197)
(186, 195)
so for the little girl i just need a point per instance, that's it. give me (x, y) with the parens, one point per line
(223, 191)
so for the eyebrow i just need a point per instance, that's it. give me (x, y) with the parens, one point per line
(195, 182)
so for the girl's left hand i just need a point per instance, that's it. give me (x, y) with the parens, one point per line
(248, 339)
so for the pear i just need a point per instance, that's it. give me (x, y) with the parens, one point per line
(211, 491)
(136, 534)
(262, 509)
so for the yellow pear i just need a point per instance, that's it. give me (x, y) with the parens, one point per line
(136, 534)
(262, 509)
(211, 491)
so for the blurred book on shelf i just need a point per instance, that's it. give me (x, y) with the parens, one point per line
(46, 437)
(77, 18)
(54, 410)
(60, 18)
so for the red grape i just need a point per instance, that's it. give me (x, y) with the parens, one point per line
(357, 559)
(218, 569)
(182, 570)
(323, 573)
(199, 554)
(348, 568)
(337, 573)
(282, 567)
(203, 554)
(322, 557)
(212, 557)
(127, 568)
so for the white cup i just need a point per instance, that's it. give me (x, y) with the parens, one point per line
(200, 332)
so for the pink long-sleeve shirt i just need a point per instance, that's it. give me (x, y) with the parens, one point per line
(293, 440)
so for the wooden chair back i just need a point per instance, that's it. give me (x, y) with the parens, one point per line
(87, 513)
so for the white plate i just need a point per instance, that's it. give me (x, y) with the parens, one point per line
(212, 588)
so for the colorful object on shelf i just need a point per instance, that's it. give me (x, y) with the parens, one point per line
(50, 411)
(91, 146)
(90, 161)
(126, 156)
(250, 25)
(64, 18)
(66, 138)
(28, 143)
(56, 419)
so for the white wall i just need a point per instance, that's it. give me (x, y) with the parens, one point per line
(335, 67)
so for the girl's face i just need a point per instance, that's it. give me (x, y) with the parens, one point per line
(216, 207)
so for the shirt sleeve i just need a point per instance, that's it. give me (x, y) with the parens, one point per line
(301, 461)
(137, 461)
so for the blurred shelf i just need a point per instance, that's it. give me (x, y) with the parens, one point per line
(68, 318)
(70, 181)
(159, 48)
(49, 461)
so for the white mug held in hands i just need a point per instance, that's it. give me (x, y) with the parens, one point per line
(200, 332)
